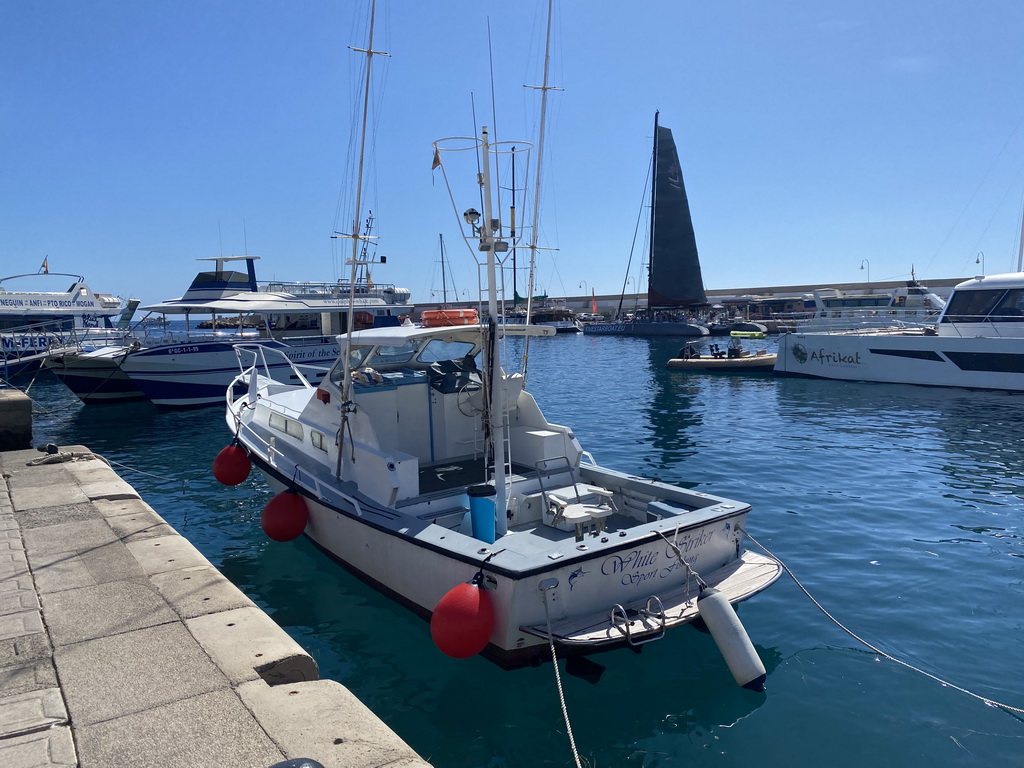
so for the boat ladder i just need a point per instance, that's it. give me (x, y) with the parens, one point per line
(620, 620)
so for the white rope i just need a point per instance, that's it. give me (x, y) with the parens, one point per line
(879, 651)
(558, 683)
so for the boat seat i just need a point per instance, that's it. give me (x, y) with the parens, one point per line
(591, 507)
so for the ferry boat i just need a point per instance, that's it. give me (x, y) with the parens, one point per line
(977, 341)
(34, 324)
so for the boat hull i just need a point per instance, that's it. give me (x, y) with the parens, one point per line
(688, 330)
(905, 357)
(746, 364)
(196, 374)
(96, 377)
(417, 564)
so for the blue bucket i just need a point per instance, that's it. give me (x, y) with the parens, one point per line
(481, 511)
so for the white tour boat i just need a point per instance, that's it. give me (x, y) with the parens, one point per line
(977, 341)
(35, 323)
(191, 368)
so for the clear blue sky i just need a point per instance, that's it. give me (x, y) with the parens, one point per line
(139, 136)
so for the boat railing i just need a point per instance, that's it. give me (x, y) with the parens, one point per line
(300, 476)
(260, 356)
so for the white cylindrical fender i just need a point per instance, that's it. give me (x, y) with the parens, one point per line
(731, 639)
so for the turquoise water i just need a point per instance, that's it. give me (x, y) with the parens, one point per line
(900, 509)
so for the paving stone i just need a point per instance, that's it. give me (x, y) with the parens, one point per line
(17, 594)
(124, 674)
(53, 494)
(20, 624)
(24, 477)
(118, 507)
(213, 730)
(110, 562)
(51, 748)
(74, 615)
(27, 677)
(322, 720)
(68, 537)
(109, 488)
(13, 564)
(199, 591)
(246, 644)
(138, 525)
(31, 712)
(166, 553)
(36, 517)
(18, 651)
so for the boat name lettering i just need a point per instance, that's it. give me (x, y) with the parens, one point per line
(40, 342)
(59, 303)
(318, 353)
(181, 350)
(823, 357)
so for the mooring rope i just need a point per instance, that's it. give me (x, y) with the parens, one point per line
(875, 649)
(558, 683)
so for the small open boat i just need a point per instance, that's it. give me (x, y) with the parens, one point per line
(733, 359)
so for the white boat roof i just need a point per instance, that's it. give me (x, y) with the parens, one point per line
(399, 335)
(248, 302)
(1006, 280)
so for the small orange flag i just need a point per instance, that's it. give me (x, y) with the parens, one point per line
(437, 159)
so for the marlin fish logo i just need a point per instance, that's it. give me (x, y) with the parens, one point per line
(575, 575)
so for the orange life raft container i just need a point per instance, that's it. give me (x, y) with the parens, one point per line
(437, 318)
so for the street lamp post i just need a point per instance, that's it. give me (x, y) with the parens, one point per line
(862, 263)
(980, 259)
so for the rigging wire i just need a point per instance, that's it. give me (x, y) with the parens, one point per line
(1015, 711)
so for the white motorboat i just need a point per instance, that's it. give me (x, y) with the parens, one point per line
(977, 341)
(34, 323)
(426, 468)
(834, 310)
(191, 368)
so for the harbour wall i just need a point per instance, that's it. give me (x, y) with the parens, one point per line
(121, 644)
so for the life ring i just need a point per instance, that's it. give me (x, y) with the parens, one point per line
(436, 318)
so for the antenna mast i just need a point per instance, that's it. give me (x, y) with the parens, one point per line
(536, 187)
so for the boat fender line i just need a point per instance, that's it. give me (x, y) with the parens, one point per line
(285, 516)
(463, 619)
(546, 586)
(1015, 711)
(731, 638)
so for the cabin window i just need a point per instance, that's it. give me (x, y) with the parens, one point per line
(438, 350)
(1010, 308)
(972, 306)
(290, 427)
(392, 355)
(355, 362)
(319, 440)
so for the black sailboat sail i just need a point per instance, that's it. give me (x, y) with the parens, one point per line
(674, 281)
(674, 278)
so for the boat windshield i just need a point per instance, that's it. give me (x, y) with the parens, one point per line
(438, 350)
(998, 305)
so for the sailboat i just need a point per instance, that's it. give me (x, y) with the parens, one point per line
(422, 465)
(675, 284)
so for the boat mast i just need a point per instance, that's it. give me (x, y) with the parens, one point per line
(1020, 245)
(654, 207)
(544, 88)
(444, 280)
(492, 364)
(357, 238)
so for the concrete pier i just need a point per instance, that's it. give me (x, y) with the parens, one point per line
(121, 645)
